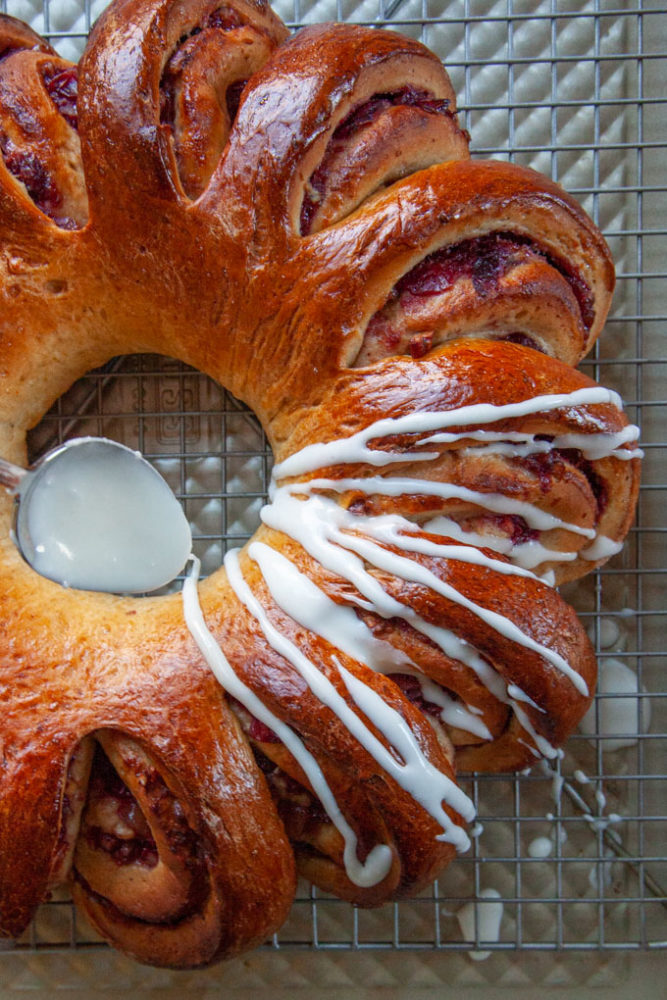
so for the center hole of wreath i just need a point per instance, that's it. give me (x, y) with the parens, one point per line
(208, 446)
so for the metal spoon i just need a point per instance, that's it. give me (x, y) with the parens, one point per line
(95, 515)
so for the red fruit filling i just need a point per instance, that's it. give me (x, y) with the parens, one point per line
(62, 87)
(485, 260)
(222, 19)
(542, 465)
(10, 50)
(116, 824)
(260, 732)
(596, 482)
(298, 808)
(225, 19)
(412, 690)
(357, 119)
(233, 98)
(513, 526)
(523, 339)
(31, 172)
(137, 844)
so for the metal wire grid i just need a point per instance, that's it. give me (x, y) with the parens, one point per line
(586, 105)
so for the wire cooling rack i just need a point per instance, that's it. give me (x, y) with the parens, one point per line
(573, 88)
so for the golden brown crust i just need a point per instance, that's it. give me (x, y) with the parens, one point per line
(259, 250)
(15, 34)
(117, 654)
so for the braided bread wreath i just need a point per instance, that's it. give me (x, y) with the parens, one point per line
(299, 220)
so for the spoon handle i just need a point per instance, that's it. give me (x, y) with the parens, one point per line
(11, 475)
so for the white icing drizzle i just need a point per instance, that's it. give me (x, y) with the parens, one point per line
(396, 486)
(621, 718)
(601, 548)
(312, 523)
(378, 862)
(309, 606)
(454, 713)
(520, 695)
(425, 783)
(514, 444)
(395, 530)
(316, 522)
(443, 525)
(526, 555)
(416, 775)
(350, 568)
(530, 747)
(540, 847)
(544, 747)
(355, 447)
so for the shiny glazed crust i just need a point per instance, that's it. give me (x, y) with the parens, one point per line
(270, 234)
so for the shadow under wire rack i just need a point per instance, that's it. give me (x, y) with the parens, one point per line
(575, 89)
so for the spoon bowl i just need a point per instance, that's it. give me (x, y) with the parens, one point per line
(95, 515)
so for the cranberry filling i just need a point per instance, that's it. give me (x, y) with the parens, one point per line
(298, 818)
(222, 19)
(30, 171)
(252, 727)
(225, 19)
(233, 98)
(513, 526)
(485, 260)
(116, 824)
(412, 690)
(139, 847)
(298, 808)
(62, 87)
(542, 465)
(421, 344)
(168, 100)
(124, 852)
(371, 109)
(357, 119)
(524, 340)
(260, 732)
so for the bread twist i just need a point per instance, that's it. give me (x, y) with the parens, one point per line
(299, 220)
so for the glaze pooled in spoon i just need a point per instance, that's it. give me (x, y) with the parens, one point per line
(97, 516)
